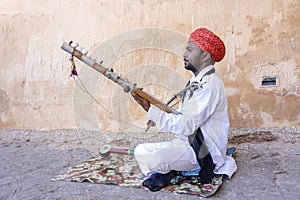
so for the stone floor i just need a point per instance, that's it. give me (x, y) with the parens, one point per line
(268, 167)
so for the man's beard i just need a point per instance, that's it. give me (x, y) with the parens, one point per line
(189, 66)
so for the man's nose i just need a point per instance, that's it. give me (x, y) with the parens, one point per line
(184, 55)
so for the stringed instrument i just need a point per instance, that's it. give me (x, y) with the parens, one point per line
(79, 53)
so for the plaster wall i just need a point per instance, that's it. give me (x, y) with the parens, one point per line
(36, 92)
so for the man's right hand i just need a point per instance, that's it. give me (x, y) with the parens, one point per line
(143, 102)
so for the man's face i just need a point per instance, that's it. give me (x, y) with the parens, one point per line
(192, 57)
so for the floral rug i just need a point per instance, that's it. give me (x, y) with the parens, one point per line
(122, 170)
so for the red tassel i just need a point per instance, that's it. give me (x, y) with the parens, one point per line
(74, 72)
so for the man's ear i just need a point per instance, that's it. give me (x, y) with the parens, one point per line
(206, 56)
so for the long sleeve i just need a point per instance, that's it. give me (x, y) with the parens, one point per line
(194, 112)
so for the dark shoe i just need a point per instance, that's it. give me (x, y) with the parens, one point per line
(158, 181)
(152, 184)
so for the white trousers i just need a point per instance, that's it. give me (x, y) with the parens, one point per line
(165, 156)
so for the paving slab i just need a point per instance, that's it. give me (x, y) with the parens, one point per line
(268, 167)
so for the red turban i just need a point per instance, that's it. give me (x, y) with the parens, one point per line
(208, 41)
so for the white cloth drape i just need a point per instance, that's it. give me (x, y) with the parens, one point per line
(206, 108)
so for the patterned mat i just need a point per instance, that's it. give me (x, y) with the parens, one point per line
(122, 170)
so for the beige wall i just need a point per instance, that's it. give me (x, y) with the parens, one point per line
(36, 92)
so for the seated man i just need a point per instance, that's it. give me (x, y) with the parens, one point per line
(201, 129)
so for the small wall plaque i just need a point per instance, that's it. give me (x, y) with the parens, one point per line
(269, 81)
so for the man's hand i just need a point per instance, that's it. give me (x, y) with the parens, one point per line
(143, 102)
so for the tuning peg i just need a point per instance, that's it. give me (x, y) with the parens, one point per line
(78, 48)
(99, 63)
(85, 52)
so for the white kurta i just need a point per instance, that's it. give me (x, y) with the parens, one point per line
(208, 109)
